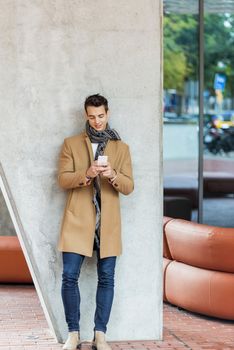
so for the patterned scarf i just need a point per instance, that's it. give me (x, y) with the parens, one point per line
(100, 137)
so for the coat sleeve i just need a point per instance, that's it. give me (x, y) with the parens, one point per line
(68, 178)
(124, 180)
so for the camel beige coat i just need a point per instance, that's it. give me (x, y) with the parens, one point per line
(78, 223)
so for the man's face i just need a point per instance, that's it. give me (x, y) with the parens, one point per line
(97, 117)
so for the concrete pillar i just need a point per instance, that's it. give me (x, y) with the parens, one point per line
(54, 54)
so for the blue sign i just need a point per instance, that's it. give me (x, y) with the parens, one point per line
(219, 82)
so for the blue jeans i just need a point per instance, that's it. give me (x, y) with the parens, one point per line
(71, 295)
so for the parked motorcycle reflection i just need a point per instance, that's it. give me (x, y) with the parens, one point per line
(218, 140)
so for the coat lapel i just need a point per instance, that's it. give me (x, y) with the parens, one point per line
(89, 146)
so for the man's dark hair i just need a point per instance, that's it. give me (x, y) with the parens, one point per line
(96, 101)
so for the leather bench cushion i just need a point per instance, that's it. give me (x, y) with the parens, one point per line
(13, 266)
(166, 251)
(202, 246)
(166, 262)
(198, 290)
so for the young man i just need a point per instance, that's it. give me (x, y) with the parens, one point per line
(91, 219)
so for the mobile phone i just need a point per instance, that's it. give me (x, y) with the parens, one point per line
(102, 160)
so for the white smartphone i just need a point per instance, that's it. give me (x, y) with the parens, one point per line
(102, 160)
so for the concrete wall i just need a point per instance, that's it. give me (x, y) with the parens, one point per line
(54, 54)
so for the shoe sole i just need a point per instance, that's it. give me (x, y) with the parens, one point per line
(78, 346)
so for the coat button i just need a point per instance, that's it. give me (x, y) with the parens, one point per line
(81, 183)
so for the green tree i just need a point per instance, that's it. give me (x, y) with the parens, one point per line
(180, 50)
(219, 48)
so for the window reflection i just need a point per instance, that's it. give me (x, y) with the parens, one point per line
(218, 174)
(181, 109)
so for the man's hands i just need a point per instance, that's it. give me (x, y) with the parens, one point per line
(96, 169)
(108, 171)
(93, 170)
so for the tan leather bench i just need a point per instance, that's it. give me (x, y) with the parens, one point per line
(199, 267)
(13, 266)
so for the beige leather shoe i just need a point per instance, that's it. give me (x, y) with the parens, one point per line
(73, 341)
(99, 342)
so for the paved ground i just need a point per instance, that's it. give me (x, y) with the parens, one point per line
(23, 327)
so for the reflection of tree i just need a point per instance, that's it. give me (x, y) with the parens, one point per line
(219, 48)
(181, 50)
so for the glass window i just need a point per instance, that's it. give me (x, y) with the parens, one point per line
(181, 109)
(218, 172)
